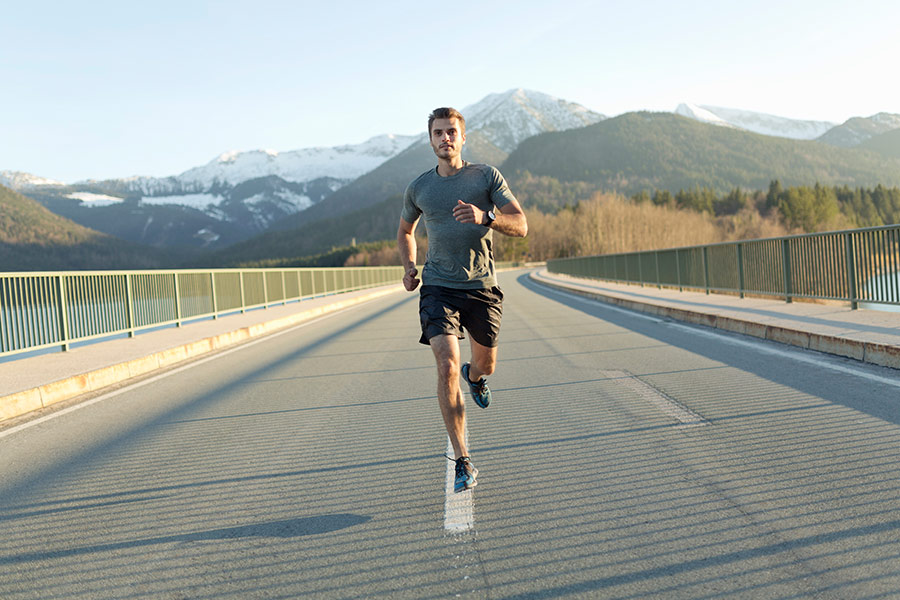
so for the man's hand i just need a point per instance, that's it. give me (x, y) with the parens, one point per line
(468, 213)
(410, 281)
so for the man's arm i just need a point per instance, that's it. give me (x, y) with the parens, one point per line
(510, 218)
(406, 243)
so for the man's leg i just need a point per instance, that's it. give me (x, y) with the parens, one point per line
(484, 360)
(453, 409)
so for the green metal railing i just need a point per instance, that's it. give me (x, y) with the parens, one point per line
(45, 310)
(859, 265)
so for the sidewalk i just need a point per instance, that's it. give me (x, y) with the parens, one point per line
(36, 382)
(870, 336)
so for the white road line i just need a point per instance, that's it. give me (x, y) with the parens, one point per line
(764, 346)
(142, 383)
(669, 406)
(459, 508)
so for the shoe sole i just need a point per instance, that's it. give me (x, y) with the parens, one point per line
(467, 486)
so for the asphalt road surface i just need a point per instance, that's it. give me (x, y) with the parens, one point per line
(623, 457)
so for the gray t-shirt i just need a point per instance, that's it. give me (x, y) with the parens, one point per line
(460, 255)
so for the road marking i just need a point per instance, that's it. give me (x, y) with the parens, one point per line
(155, 378)
(459, 508)
(765, 346)
(666, 404)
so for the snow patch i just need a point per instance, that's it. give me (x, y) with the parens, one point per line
(755, 122)
(90, 199)
(693, 111)
(197, 201)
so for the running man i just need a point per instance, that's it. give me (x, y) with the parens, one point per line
(463, 205)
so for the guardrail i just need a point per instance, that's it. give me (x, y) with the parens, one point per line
(46, 310)
(858, 265)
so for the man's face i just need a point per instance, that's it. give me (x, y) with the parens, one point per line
(447, 138)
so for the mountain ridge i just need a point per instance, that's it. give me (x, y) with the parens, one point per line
(213, 206)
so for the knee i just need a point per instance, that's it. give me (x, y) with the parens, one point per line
(486, 366)
(448, 369)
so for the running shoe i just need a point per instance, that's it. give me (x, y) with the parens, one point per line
(481, 393)
(465, 475)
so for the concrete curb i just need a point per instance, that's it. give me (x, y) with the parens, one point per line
(22, 402)
(884, 355)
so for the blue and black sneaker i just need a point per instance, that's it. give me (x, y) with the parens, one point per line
(465, 475)
(481, 393)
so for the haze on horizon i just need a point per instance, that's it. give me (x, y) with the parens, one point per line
(103, 89)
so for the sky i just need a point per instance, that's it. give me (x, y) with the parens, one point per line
(96, 89)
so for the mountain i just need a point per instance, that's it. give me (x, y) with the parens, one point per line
(887, 144)
(17, 180)
(244, 197)
(339, 163)
(506, 120)
(231, 198)
(648, 151)
(373, 223)
(756, 122)
(858, 129)
(495, 126)
(34, 239)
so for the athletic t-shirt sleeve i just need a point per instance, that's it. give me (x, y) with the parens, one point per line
(410, 211)
(498, 189)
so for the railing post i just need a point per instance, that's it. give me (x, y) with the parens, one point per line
(740, 261)
(177, 301)
(851, 272)
(706, 268)
(786, 269)
(212, 287)
(640, 260)
(265, 290)
(129, 301)
(658, 278)
(678, 271)
(243, 296)
(63, 314)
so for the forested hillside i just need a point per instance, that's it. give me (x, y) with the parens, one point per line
(650, 151)
(33, 238)
(886, 144)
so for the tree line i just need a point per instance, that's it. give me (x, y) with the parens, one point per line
(802, 209)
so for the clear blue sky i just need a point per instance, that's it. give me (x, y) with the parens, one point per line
(113, 89)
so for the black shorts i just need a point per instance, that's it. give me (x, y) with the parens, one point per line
(449, 311)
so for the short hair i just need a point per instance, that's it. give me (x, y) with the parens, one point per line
(446, 113)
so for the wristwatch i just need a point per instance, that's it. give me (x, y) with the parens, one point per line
(490, 217)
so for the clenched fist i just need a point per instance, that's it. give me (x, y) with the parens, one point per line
(410, 281)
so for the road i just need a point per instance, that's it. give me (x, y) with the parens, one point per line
(623, 457)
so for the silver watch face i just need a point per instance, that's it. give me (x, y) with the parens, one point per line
(492, 216)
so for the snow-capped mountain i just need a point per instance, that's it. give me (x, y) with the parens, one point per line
(18, 180)
(341, 163)
(697, 113)
(859, 129)
(240, 194)
(508, 118)
(495, 126)
(234, 196)
(755, 121)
